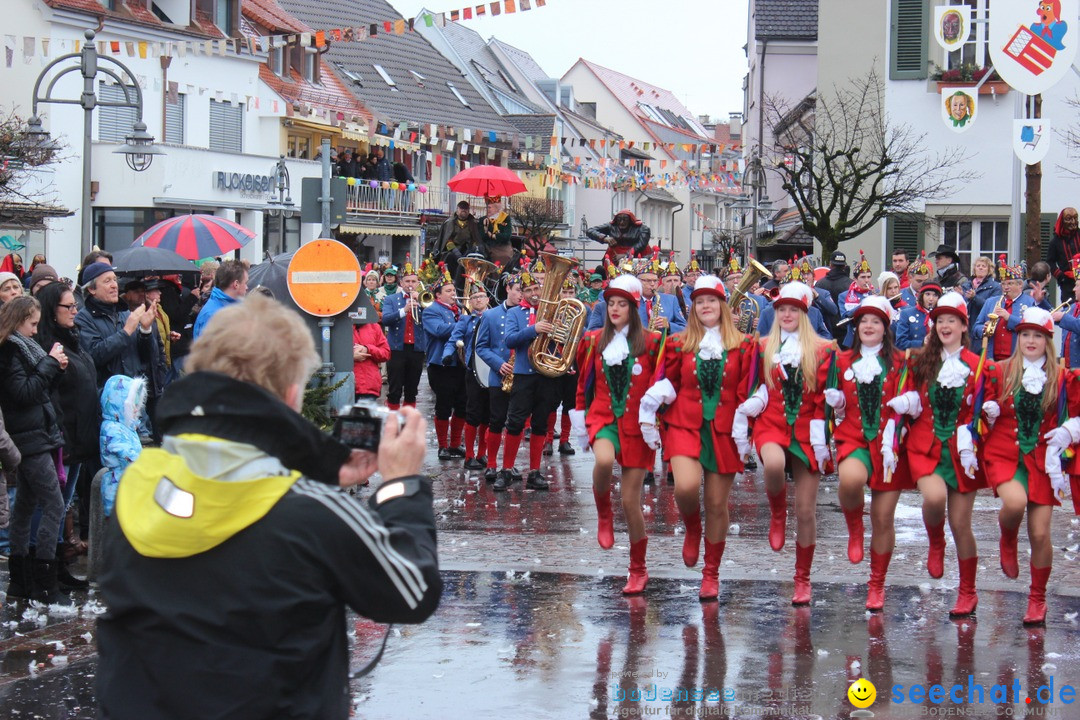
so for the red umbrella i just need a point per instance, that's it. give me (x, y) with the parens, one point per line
(196, 236)
(487, 181)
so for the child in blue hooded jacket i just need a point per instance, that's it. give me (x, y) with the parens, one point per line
(122, 402)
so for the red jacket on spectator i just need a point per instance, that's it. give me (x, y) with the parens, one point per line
(366, 372)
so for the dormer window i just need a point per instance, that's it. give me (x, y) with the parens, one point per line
(223, 13)
(311, 65)
(276, 59)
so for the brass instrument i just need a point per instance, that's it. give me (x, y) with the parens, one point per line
(656, 313)
(415, 295)
(426, 297)
(1062, 306)
(475, 271)
(748, 310)
(553, 353)
(508, 380)
(992, 323)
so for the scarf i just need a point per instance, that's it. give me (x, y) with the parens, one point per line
(30, 350)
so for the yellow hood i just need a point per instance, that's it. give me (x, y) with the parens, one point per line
(195, 493)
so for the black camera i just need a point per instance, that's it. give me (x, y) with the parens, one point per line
(359, 426)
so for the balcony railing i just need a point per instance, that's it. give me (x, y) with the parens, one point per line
(405, 206)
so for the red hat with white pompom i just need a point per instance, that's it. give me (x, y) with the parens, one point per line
(1035, 318)
(796, 294)
(624, 286)
(709, 285)
(875, 305)
(951, 303)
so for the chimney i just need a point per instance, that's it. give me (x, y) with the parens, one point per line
(735, 121)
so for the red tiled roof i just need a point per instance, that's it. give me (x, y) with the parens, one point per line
(332, 94)
(722, 133)
(271, 16)
(135, 12)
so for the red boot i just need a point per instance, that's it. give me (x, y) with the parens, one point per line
(804, 558)
(966, 599)
(710, 574)
(778, 521)
(637, 577)
(935, 560)
(875, 589)
(692, 542)
(1007, 545)
(1036, 610)
(605, 530)
(854, 534)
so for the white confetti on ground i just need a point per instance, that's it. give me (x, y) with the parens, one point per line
(822, 652)
(734, 529)
(854, 667)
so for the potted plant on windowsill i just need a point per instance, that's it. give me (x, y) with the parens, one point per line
(969, 75)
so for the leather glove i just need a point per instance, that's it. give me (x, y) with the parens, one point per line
(755, 404)
(739, 431)
(819, 444)
(992, 411)
(577, 427)
(967, 451)
(887, 438)
(907, 404)
(651, 435)
(662, 393)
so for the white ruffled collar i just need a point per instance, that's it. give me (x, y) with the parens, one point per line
(711, 346)
(867, 367)
(954, 372)
(618, 349)
(1034, 379)
(790, 353)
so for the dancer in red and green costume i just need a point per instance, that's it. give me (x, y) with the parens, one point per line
(616, 365)
(939, 448)
(790, 426)
(868, 375)
(1016, 455)
(705, 370)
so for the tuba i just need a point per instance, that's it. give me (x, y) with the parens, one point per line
(475, 272)
(553, 353)
(748, 310)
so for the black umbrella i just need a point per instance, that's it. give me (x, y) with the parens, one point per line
(143, 261)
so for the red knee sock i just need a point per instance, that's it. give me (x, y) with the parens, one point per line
(494, 439)
(457, 425)
(394, 406)
(481, 441)
(470, 440)
(536, 449)
(510, 450)
(551, 428)
(442, 428)
(410, 404)
(564, 435)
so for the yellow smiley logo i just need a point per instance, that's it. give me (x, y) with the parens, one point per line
(862, 693)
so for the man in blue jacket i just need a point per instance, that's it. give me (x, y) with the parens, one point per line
(477, 407)
(662, 310)
(911, 327)
(407, 340)
(533, 394)
(491, 348)
(1069, 320)
(1008, 308)
(230, 286)
(447, 380)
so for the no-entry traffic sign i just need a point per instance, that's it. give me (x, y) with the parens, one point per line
(324, 278)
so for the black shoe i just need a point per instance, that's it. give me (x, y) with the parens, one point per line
(670, 477)
(536, 481)
(67, 581)
(489, 475)
(502, 481)
(457, 451)
(751, 463)
(483, 460)
(516, 474)
(475, 464)
(20, 584)
(444, 454)
(548, 450)
(556, 434)
(566, 448)
(650, 478)
(46, 590)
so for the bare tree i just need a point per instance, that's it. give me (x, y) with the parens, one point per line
(846, 167)
(18, 157)
(536, 218)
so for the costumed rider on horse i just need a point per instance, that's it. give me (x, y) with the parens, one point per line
(624, 234)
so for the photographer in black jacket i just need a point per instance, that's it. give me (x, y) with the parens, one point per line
(234, 553)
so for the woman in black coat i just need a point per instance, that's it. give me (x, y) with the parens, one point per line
(27, 377)
(75, 398)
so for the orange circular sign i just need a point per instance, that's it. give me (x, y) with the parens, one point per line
(324, 278)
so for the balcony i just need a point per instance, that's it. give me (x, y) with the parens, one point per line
(387, 206)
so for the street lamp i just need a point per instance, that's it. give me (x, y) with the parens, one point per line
(757, 203)
(281, 207)
(138, 150)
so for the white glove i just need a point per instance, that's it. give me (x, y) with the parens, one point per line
(739, 432)
(755, 404)
(967, 451)
(577, 427)
(888, 458)
(1058, 481)
(907, 404)
(651, 436)
(1062, 437)
(819, 444)
(835, 399)
(992, 411)
(662, 393)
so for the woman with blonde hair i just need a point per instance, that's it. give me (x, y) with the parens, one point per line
(947, 377)
(889, 282)
(790, 426)
(1023, 448)
(983, 285)
(705, 380)
(616, 365)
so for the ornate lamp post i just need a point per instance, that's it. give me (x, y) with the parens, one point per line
(282, 206)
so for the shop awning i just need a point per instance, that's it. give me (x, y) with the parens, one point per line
(378, 230)
(328, 129)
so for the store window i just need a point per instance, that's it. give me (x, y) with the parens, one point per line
(272, 233)
(117, 228)
(973, 238)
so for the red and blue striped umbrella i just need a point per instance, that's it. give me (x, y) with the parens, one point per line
(196, 236)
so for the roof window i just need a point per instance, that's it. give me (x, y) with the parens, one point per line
(457, 94)
(386, 77)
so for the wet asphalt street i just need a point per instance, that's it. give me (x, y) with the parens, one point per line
(532, 623)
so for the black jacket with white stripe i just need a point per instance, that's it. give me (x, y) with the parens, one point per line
(228, 576)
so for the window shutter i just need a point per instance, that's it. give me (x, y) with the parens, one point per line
(904, 232)
(908, 40)
(174, 120)
(114, 123)
(226, 126)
